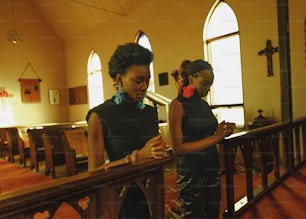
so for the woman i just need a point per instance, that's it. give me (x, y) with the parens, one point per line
(195, 132)
(125, 127)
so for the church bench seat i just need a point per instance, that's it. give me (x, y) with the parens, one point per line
(37, 150)
(54, 149)
(76, 149)
(16, 146)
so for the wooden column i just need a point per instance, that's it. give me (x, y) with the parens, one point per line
(284, 60)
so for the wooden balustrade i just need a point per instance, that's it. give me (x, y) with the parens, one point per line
(281, 149)
(284, 142)
(97, 194)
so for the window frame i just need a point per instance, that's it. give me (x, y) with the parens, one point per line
(94, 100)
(207, 53)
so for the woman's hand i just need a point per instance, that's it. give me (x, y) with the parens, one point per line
(154, 148)
(229, 128)
(225, 129)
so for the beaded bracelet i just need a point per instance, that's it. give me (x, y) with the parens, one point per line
(128, 158)
(133, 156)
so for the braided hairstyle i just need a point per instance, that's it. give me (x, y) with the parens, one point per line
(192, 68)
(180, 73)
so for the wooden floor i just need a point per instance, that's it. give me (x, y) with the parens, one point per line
(60, 170)
(286, 201)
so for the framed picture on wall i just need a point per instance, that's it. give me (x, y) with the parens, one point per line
(77, 95)
(54, 97)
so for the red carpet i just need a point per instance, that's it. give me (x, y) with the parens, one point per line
(14, 177)
(286, 201)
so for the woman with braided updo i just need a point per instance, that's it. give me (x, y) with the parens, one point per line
(195, 132)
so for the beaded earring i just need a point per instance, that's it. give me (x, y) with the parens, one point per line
(140, 105)
(188, 91)
(120, 95)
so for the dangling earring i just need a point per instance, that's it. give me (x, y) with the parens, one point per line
(140, 105)
(188, 91)
(120, 95)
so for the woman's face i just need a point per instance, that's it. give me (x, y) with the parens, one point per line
(202, 81)
(135, 81)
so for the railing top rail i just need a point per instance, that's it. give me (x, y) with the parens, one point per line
(276, 127)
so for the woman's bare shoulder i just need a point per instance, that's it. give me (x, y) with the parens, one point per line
(175, 103)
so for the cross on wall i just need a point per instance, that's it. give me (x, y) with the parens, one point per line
(268, 52)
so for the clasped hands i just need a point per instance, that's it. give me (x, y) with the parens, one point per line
(225, 129)
(155, 148)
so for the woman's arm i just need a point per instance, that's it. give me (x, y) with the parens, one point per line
(95, 142)
(176, 113)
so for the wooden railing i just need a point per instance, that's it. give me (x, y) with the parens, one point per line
(281, 149)
(96, 194)
(99, 194)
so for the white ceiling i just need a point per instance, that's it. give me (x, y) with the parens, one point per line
(73, 17)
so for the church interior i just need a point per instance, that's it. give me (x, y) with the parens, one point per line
(54, 68)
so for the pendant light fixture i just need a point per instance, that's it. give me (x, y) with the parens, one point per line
(13, 35)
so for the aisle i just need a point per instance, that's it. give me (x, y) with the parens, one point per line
(286, 201)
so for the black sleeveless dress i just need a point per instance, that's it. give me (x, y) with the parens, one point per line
(198, 122)
(127, 128)
(199, 173)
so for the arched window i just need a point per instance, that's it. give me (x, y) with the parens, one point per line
(143, 40)
(95, 83)
(222, 49)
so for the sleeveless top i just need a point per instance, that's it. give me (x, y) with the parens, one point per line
(126, 127)
(198, 122)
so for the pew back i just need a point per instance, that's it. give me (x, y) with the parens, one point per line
(15, 145)
(76, 149)
(54, 149)
(37, 150)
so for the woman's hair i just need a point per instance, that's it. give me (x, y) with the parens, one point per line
(180, 73)
(194, 67)
(191, 68)
(127, 55)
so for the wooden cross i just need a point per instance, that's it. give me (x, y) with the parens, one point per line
(268, 51)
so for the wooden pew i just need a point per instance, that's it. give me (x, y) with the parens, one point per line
(3, 144)
(97, 194)
(37, 149)
(54, 149)
(76, 150)
(15, 145)
(54, 145)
